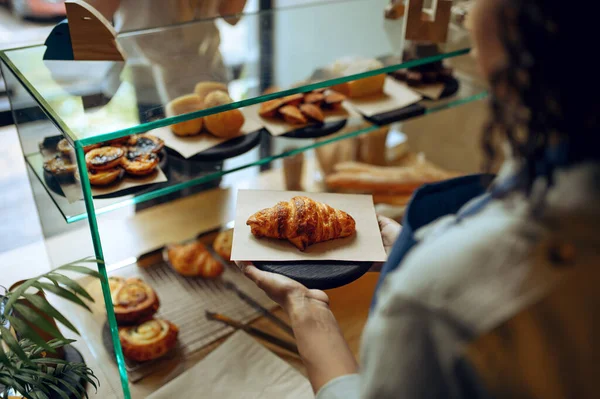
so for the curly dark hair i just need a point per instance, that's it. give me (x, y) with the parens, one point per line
(547, 97)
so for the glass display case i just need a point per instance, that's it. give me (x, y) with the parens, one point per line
(64, 110)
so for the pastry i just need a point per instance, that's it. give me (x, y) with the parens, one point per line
(312, 112)
(271, 90)
(302, 221)
(60, 166)
(103, 177)
(293, 99)
(291, 114)
(148, 340)
(185, 105)
(104, 158)
(222, 244)
(64, 147)
(117, 142)
(203, 89)
(333, 100)
(224, 124)
(367, 86)
(133, 300)
(90, 147)
(314, 98)
(194, 260)
(139, 164)
(268, 109)
(144, 144)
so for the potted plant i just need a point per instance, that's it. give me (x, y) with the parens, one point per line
(27, 367)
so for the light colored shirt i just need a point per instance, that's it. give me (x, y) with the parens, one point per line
(462, 280)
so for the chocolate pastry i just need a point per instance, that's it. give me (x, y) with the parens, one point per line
(133, 300)
(139, 164)
(149, 340)
(104, 158)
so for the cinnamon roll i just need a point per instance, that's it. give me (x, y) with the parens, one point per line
(149, 340)
(133, 300)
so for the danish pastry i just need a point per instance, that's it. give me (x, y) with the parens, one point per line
(149, 340)
(144, 144)
(184, 105)
(224, 124)
(302, 221)
(133, 300)
(194, 260)
(222, 244)
(104, 158)
(139, 164)
(103, 177)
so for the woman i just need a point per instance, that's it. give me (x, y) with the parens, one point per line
(470, 258)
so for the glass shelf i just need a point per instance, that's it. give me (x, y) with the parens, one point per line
(96, 101)
(209, 174)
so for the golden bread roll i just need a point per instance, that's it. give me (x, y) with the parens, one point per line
(224, 124)
(185, 105)
(203, 89)
(149, 340)
(133, 299)
(194, 260)
(302, 221)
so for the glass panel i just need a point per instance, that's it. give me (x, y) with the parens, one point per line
(97, 101)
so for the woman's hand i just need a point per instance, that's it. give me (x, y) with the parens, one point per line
(286, 292)
(390, 230)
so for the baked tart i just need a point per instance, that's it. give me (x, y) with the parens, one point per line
(194, 260)
(60, 167)
(102, 177)
(104, 158)
(91, 147)
(148, 340)
(117, 142)
(64, 147)
(133, 300)
(222, 244)
(139, 165)
(145, 144)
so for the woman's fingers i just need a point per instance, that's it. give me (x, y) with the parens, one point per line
(242, 264)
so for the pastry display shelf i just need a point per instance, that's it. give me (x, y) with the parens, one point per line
(470, 90)
(287, 48)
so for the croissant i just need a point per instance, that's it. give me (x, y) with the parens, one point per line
(302, 221)
(194, 260)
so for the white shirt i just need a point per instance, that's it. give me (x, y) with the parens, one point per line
(454, 286)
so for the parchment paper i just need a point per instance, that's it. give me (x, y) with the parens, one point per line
(364, 246)
(191, 145)
(239, 368)
(277, 126)
(396, 95)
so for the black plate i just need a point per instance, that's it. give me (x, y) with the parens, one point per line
(228, 149)
(451, 87)
(397, 115)
(323, 275)
(316, 131)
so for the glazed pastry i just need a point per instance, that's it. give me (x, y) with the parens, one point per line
(203, 89)
(194, 260)
(133, 300)
(104, 158)
(139, 165)
(144, 144)
(64, 147)
(224, 124)
(314, 98)
(293, 99)
(185, 105)
(291, 114)
(302, 221)
(222, 244)
(149, 340)
(103, 177)
(60, 166)
(268, 109)
(312, 112)
(333, 100)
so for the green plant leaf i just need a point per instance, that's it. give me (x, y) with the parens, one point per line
(10, 382)
(68, 295)
(39, 321)
(42, 304)
(24, 330)
(3, 357)
(14, 346)
(16, 294)
(81, 269)
(73, 285)
(59, 391)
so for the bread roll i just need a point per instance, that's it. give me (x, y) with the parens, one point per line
(203, 89)
(224, 124)
(184, 105)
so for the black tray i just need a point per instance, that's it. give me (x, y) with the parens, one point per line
(316, 131)
(318, 275)
(228, 149)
